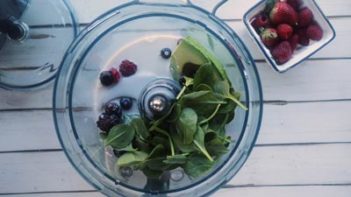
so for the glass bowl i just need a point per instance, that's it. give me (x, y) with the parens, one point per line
(138, 31)
(34, 36)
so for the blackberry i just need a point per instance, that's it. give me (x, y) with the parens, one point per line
(126, 103)
(127, 68)
(115, 120)
(166, 53)
(107, 78)
(104, 122)
(113, 108)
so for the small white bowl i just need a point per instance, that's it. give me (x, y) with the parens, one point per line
(301, 53)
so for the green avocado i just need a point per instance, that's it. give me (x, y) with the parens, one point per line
(191, 52)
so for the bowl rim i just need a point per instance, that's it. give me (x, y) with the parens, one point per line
(246, 20)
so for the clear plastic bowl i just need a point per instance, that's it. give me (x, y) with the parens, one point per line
(138, 30)
(33, 60)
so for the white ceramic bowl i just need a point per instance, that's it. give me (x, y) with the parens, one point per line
(301, 53)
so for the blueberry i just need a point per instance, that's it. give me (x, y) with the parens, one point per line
(126, 103)
(106, 78)
(166, 53)
(113, 108)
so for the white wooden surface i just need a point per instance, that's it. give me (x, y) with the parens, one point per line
(303, 149)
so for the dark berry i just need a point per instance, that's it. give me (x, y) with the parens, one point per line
(116, 75)
(104, 123)
(106, 78)
(115, 120)
(113, 108)
(110, 77)
(127, 68)
(166, 53)
(126, 103)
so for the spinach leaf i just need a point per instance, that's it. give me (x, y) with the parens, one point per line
(180, 146)
(199, 142)
(186, 125)
(120, 136)
(216, 145)
(140, 128)
(176, 159)
(206, 75)
(132, 159)
(197, 165)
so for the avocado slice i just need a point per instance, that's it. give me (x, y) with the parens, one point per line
(186, 54)
(192, 52)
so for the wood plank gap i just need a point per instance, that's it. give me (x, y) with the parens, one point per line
(32, 151)
(283, 102)
(39, 151)
(50, 192)
(288, 185)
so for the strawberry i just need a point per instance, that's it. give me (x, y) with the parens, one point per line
(314, 32)
(305, 17)
(282, 53)
(260, 21)
(294, 3)
(294, 41)
(283, 13)
(285, 31)
(304, 40)
(269, 37)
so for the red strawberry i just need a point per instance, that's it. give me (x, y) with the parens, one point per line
(285, 31)
(294, 41)
(260, 20)
(304, 40)
(314, 32)
(269, 37)
(282, 53)
(305, 17)
(283, 13)
(294, 3)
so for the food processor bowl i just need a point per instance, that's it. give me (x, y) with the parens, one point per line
(138, 31)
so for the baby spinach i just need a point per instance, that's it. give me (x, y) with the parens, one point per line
(120, 136)
(186, 125)
(192, 134)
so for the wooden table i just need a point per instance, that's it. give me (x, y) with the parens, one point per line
(304, 147)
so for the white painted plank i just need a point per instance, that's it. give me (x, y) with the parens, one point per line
(68, 194)
(89, 10)
(27, 131)
(316, 164)
(288, 124)
(33, 172)
(322, 164)
(320, 191)
(314, 80)
(306, 123)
